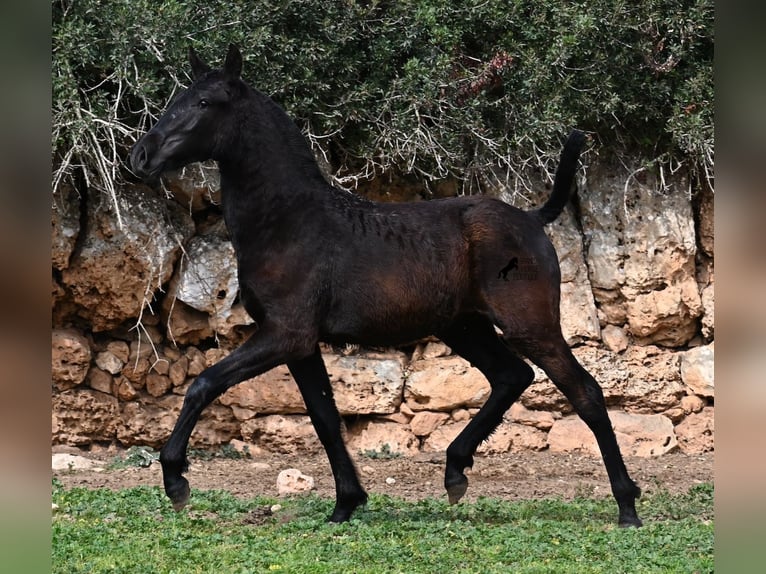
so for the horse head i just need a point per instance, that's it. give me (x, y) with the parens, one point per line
(191, 128)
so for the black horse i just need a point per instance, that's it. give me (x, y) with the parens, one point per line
(320, 264)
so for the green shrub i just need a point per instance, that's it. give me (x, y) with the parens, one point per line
(463, 89)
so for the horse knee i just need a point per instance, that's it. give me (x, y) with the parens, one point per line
(200, 393)
(512, 382)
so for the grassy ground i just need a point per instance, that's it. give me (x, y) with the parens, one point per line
(135, 531)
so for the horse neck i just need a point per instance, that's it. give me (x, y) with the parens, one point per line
(268, 173)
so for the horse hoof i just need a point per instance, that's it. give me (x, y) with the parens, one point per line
(456, 491)
(179, 495)
(630, 522)
(340, 515)
(344, 510)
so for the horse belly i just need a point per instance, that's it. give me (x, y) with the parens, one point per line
(391, 311)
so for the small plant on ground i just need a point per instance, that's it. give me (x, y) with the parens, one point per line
(385, 453)
(135, 456)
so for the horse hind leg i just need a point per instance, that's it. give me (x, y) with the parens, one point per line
(476, 341)
(587, 398)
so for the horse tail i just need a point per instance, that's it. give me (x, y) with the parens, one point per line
(562, 183)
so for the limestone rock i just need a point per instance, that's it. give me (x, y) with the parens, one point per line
(293, 481)
(100, 380)
(708, 311)
(178, 370)
(641, 252)
(272, 392)
(126, 253)
(186, 325)
(440, 439)
(83, 416)
(110, 363)
(695, 432)
(706, 218)
(698, 370)
(281, 433)
(637, 435)
(217, 426)
(614, 338)
(641, 379)
(366, 384)
(542, 420)
(513, 437)
(444, 385)
(665, 316)
(381, 436)
(692, 404)
(65, 219)
(207, 277)
(434, 349)
(66, 461)
(425, 422)
(579, 321)
(196, 186)
(148, 422)
(119, 349)
(361, 385)
(157, 385)
(70, 358)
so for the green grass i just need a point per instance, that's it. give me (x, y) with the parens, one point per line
(135, 531)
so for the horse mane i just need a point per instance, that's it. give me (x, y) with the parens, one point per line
(297, 146)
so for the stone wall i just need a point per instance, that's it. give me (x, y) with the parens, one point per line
(145, 297)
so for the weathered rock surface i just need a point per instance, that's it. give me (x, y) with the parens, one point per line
(82, 416)
(425, 422)
(637, 435)
(381, 437)
(641, 379)
(281, 433)
(445, 384)
(126, 253)
(695, 433)
(196, 186)
(70, 358)
(207, 278)
(65, 219)
(67, 461)
(641, 249)
(698, 370)
(361, 385)
(293, 481)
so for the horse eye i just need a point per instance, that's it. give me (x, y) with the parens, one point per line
(204, 103)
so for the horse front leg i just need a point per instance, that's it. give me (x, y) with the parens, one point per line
(311, 376)
(257, 355)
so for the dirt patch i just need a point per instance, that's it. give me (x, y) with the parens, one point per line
(510, 476)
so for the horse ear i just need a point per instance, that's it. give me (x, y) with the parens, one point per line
(198, 66)
(233, 64)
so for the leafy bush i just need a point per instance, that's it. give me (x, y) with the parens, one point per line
(462, 89)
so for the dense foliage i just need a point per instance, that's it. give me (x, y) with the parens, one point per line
(466, 89)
